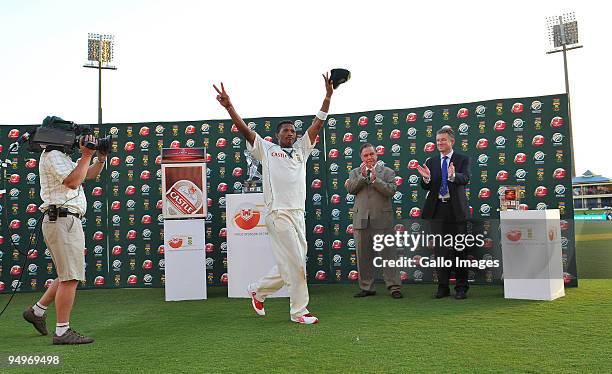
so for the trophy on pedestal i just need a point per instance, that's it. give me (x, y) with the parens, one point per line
(253, 182)
(509, 198)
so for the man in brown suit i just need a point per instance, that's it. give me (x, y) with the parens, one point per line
(373, 186)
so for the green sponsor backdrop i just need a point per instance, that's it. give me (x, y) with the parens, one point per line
(520, 141)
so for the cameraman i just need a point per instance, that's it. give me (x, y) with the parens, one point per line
(64, 205)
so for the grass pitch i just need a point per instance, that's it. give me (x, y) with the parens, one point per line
(137, 331)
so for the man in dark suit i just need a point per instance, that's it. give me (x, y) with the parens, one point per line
(373, 186)
(444, 176)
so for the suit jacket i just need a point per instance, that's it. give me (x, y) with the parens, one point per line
(456, 189)
(372, 200)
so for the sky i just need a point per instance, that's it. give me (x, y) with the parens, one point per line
(270, 55)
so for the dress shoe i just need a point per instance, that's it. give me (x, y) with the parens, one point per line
(396, 294)
(364, 293)
(441, 294)
(461, 295)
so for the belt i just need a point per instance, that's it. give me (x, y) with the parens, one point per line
(444, 199)
(64, 212)
(61, 214)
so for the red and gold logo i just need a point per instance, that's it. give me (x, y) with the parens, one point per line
(247, 217)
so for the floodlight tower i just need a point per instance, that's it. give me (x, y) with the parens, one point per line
(563, 37)
(100, 53)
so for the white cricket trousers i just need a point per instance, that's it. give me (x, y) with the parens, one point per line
(287, 232)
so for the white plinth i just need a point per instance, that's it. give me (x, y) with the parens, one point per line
(531, 252)
(249, 256)
(185, 259)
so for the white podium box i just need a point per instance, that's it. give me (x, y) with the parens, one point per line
(185, 259)
(184, 209)
(249, 256)
(531, 253)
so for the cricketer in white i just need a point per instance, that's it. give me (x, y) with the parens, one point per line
(284, 186)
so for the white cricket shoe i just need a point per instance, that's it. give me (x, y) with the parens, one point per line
(258, 306)
(306, 319)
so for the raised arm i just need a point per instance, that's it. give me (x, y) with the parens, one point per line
(313, 130)
(78, 175)
(224, 100)
(95, 168)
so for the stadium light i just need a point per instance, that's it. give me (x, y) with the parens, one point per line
(100, 54)
(562, 37)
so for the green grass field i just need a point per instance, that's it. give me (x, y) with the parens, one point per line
(136, 331)
(594, 249)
